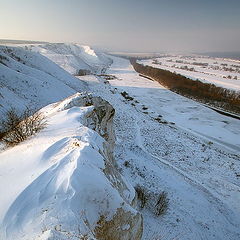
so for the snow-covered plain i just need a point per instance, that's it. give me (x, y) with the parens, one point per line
(164, 142)
(199, 172)
(179, 110)
(221, 72)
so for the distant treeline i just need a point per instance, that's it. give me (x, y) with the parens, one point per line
(204, 92)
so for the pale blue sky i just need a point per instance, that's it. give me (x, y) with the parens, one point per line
(135, 25)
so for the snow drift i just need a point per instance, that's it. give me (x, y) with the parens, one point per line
(77, 191)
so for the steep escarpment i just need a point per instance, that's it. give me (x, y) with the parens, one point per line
(73, 58)
(77, 190)
(39, 74)
(30, 79)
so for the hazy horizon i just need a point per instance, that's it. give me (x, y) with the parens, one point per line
(130, 26)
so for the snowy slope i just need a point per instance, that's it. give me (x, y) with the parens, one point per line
(72, 57)
(30, 79)
(61, 187)
(200, 174)
(34, 76)
(221, 72)
(164, 142)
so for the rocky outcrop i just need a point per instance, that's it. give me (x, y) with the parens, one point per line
(124, 225)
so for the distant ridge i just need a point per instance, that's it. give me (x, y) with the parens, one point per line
(232, 55)
(6, 41)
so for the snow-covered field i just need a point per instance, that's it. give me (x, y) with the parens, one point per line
(196, 160)
(174, 108)
(164, 142)
(221, 72)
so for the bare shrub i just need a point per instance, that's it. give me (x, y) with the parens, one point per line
(3, 60)
(156, 203)
(18, 127)
(141, 195)
(162, 204)
(126, 96)
(83, 72)
(127, 164)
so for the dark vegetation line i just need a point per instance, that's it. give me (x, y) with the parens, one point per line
(225, 113)
(142, 75)
(232, 115)
(207, 93)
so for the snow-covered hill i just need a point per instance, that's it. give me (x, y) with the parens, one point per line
(34, 76)
(30, 79)
(73, 57)
(64, 181)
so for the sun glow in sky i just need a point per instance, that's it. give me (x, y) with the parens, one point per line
(130, 25)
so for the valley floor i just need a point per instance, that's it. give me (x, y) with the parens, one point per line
(166, 142)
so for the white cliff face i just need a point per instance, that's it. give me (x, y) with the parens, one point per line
(77, 190)
(72, 57)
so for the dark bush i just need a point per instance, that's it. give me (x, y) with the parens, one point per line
(141, 195)
(127, 164)
(83, 72)
(3, 60)
(156, 203)
(18, 127)
(126, 96)
(162, 204)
